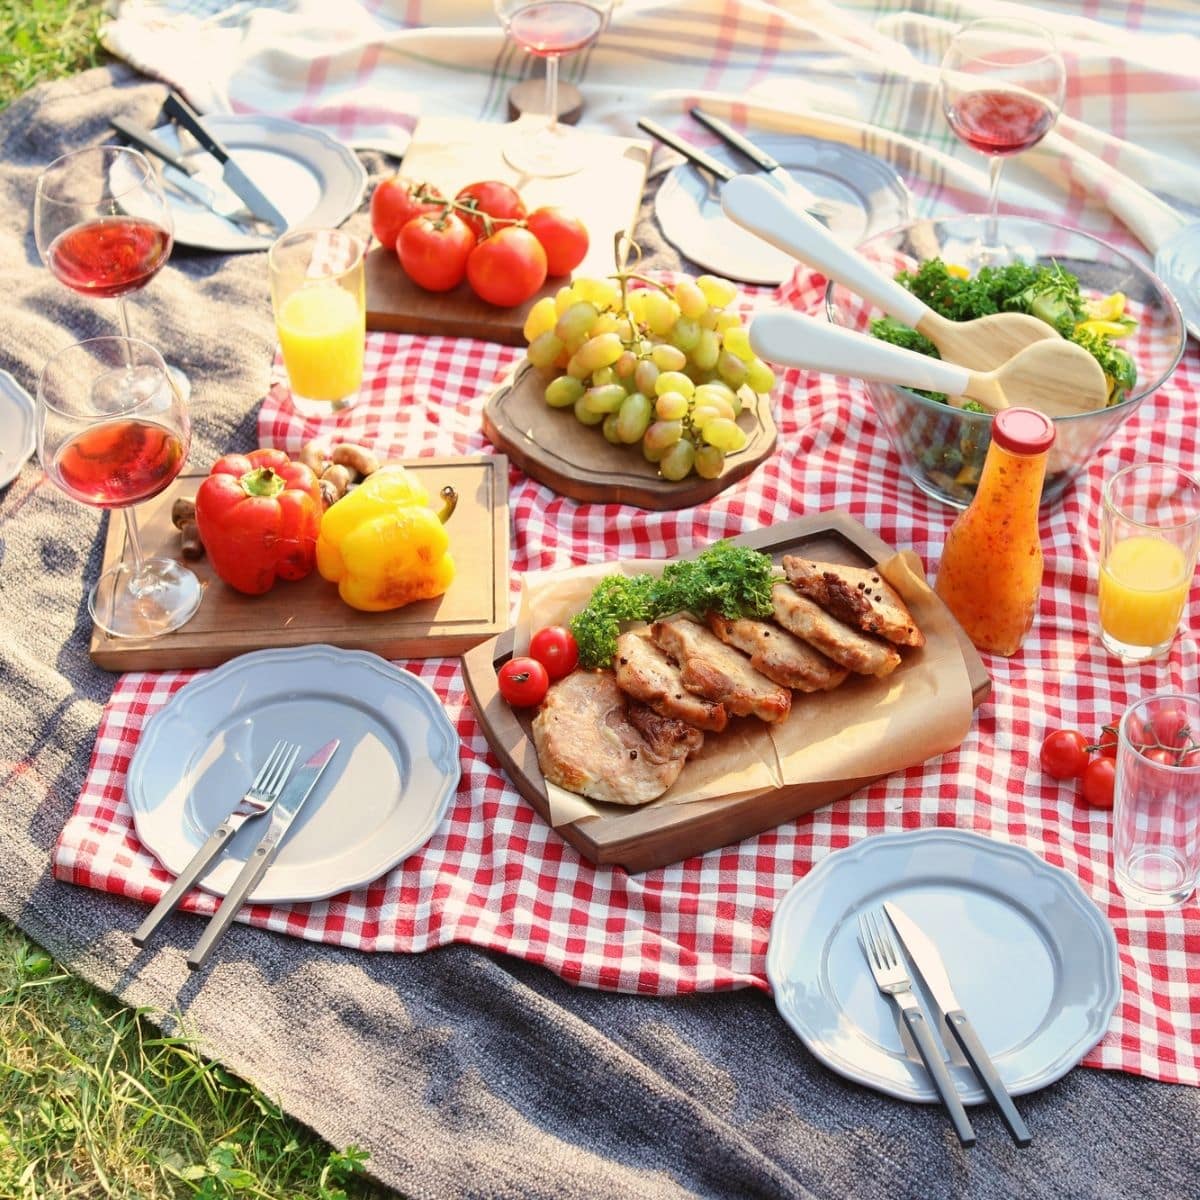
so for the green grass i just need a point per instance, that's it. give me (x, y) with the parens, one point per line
(45, 39)
(94, 1100)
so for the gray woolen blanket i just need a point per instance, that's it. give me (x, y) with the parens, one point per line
(462, 1072)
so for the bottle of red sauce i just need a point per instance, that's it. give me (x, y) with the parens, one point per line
(991, 569)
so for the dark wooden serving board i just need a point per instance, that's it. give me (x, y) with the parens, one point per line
(450, 152)
(640, 839)
(551, 446)
(474, 608)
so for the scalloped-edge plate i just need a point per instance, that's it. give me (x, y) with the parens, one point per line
(381, 797)
(1032, 959)
(17, 421)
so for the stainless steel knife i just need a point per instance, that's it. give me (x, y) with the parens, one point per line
(925, 957)
(287, 807)
(180, 174)
(238, 181)
(795, 191)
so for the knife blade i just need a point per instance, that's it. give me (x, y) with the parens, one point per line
(238, 181)
(928, 962)
(181, 175)
(783, 180)
(299, 787)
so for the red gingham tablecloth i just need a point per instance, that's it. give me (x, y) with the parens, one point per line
(495, 875)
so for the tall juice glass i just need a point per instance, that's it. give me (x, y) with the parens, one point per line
(318, 294)
(1149, 537)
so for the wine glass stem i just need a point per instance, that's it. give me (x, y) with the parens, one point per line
(993, 214)
(134, 539)
(552, 91)
(123, 316)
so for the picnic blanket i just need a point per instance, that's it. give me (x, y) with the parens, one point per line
(509, 1081)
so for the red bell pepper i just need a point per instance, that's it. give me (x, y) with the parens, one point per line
(258, 515)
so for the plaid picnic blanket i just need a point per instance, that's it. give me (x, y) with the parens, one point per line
(494, 874)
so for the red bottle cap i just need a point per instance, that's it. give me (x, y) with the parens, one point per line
(1023, 431)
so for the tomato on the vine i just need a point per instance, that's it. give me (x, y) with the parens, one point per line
(434, 250)
(1064, 754)
(494, 198)
(1170, 727)
(523, 682)
(1106, 747)
(507, 268)
(563, 237)
(1099, 781)
(555, 648)
(394, 204)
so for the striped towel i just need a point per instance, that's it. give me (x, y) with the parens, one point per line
(1123, 161)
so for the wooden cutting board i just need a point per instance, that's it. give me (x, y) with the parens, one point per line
(451, 152)
(551, 446)
(309, 610)
(640, 839)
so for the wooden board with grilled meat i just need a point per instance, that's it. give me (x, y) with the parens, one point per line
(644, 836)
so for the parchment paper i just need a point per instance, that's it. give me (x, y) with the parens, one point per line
(864, 728)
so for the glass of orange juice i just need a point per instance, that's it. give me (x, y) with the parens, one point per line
(1149, 536)
(318, 295)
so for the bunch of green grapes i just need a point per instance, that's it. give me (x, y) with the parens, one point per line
(669, 368)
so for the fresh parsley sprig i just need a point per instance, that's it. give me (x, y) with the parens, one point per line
(732, 580)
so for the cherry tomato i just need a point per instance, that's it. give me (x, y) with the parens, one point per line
(1107, 745)
(1099, 778)
(1064, 754)
(563, 237)
(1161, 755)
(491, 197)
(554, 647)
(508, 267)
(523, 682)
(1170, 727)
(1190, 759)
(393, 205)
(434, 250)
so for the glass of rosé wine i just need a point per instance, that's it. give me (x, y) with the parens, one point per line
(1002, 83)
(103, 227)
(112, 431)
(549, 29)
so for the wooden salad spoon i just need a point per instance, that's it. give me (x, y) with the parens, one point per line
(981, 344)
(1056, 377)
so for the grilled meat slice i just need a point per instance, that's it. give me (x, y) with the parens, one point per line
(644, 672)
(858, 597)
(710, 668)
(587, 742)
(666, 737)
(857, 651)
(779, 655)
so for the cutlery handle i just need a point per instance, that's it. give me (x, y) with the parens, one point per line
(178, 109)
(143, 139)
(254, 869)
(217, 841)
(965, 1035)
(931, 1056)
(691, 153)
(795, 340)
(757, 206)
(727, 133)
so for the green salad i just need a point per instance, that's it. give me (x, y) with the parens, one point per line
(1046, 292)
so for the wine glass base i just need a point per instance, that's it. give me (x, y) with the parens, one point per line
(546, 154)
(180, 382)
(166, 596)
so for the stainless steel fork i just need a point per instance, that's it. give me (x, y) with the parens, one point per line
(260, 797)
(893, 980)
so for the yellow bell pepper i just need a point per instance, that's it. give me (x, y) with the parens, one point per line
(383, 545)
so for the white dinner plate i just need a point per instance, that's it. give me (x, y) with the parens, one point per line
(381, 797)
(1032, 959)
(1177, 263)
(17, 434)
(313, 179)
(868, 193)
